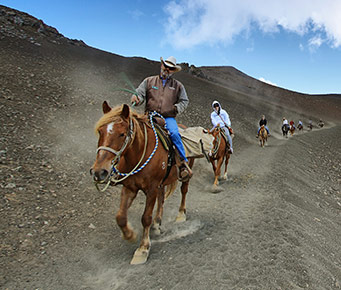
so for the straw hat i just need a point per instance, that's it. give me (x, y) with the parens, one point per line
(171, 63)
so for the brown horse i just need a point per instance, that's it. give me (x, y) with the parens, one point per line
(219, 153)
(292, 130)
(129, 153)
(263, 136)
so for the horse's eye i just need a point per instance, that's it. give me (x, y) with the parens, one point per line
(122, 135)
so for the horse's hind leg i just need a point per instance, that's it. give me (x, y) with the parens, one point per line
(141, 254)
(182, 209)
(184, 189)
(159, 212)
(127, 198)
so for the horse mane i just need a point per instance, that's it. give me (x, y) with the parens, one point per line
(114, 115)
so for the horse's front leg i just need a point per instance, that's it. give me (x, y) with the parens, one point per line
(214, 169)
(142, 253)
(127, 197)
(227, 159)
(217, 171)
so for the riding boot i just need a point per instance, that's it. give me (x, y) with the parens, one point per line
(185, 172)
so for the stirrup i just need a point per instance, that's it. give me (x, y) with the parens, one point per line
(185, 173)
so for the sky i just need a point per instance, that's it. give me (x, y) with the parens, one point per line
(293, 44)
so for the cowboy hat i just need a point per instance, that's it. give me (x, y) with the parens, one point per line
(171, 63)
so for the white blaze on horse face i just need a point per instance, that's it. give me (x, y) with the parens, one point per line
(110, 128)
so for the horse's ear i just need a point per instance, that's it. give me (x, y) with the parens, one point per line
(125, 111)
(106, 107)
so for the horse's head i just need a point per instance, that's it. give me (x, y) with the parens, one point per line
(114, 134)
(215, 131)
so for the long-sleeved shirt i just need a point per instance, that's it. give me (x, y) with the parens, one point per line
(262, 122)
(221, 119)
(163, 98)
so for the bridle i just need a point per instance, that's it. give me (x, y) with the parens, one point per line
(124, 146)
(218, 140)
(118, 153)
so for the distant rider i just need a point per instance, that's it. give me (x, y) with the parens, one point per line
(300, 124)
(285, 123)
(220, 117)
(292, 124)
(321, 123)
(262, 122)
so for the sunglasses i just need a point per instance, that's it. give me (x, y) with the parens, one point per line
(168, 67)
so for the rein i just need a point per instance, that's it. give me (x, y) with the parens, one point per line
(216, 148)
(118, 154)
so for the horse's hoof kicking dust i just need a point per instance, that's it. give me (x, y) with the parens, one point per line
(216, 189)
(180, 218)
(140, 257)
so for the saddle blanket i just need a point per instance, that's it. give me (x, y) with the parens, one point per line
(195, 141)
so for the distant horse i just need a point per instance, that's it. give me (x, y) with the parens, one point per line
(219, 152)
(300, 127)
(263, 136)
(129, 153)
(285, 130)
(292, 130)
(320, 123)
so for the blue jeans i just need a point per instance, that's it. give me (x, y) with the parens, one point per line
(172, 127)
(267, 129)
(227, 132)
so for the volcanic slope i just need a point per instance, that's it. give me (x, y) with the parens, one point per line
(275, 224)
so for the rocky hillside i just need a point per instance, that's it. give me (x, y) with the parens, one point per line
(275, 225)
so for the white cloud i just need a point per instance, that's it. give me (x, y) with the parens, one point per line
(315, 42)
(194, 22)
(266, 81)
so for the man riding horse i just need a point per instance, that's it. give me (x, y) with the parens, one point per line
(167, 96)
(263, 121)
(285, 127)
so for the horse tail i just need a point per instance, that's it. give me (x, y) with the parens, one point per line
(170, 188)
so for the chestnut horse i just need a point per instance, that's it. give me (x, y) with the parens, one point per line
(263, 136)
(129, 153)
(219, 153)
(292, 130)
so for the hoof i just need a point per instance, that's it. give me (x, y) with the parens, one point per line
(181, 217)
(132, 238)
(216, 189)
(156, 229)
(225, 176)
(140, 257)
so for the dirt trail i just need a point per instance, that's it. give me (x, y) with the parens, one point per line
(245, 237)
